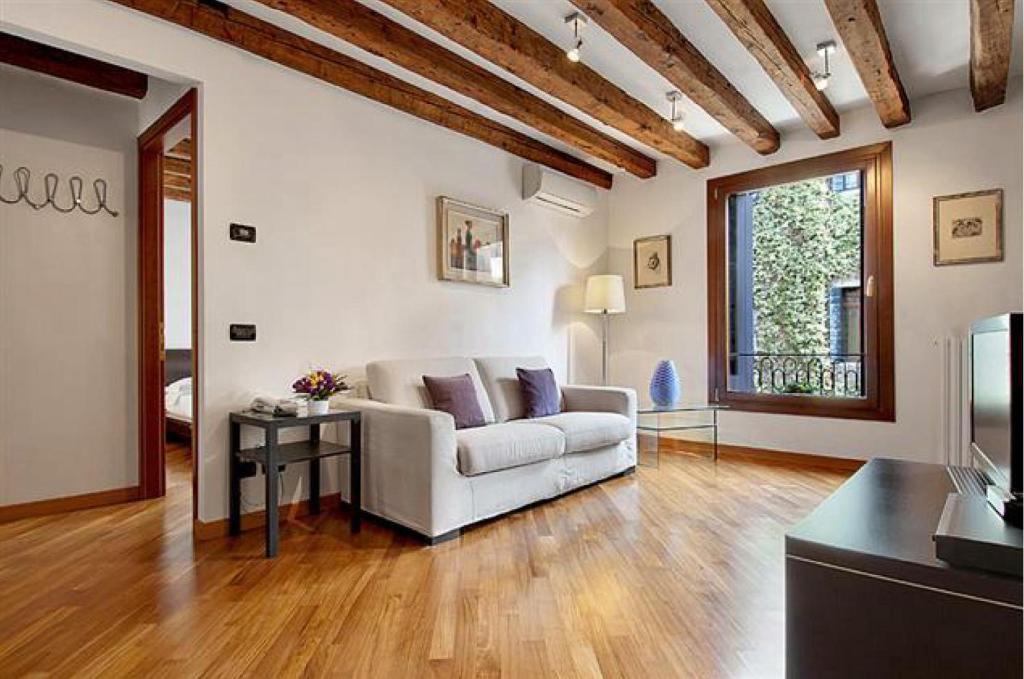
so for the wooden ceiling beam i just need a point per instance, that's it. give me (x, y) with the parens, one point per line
(991, 46)
(79, 69)
(859, 24)
(378, 35)
(642, 28)
(505, 41)
(755, 27)
(182, 150)
(266, 40)
(177, 166)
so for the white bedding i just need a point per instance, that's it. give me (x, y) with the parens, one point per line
(178, 400)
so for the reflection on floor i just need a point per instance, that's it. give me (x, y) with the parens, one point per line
(674, 571)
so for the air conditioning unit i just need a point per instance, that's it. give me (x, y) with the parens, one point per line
(557, 191)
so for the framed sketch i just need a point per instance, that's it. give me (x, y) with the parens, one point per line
(652, 262)
(472, 243)
(968, 227)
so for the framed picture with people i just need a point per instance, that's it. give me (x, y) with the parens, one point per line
(472, 243)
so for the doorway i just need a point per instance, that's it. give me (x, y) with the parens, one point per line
(168, 302)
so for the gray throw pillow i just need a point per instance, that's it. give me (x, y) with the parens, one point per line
(457, 397)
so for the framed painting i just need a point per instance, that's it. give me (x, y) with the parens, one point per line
(652, 262)
(472, 243)
(968, 227)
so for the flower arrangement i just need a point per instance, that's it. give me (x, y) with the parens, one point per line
(320, 384)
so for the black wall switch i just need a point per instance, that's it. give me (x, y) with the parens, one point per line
(242, 233)
(243, 332)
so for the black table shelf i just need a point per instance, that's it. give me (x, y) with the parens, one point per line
(300, 451)
(275, 456)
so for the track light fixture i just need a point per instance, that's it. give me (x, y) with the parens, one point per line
(825, 49)
(578, 21)
(677, 118)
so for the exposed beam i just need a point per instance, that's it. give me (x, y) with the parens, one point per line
(991, 45)
(755, 27)
(182, 150)
(70, 66)
(652, 36)
(859, 24)
(177, 166)
(507, 42)
(271, 42)
(375, 33)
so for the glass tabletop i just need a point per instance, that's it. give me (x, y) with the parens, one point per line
(681, 408)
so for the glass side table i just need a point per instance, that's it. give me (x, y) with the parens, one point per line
(657, 421)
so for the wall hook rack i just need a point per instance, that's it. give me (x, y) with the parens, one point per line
(51, 184)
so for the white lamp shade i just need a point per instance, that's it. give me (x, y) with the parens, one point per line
(605, 294)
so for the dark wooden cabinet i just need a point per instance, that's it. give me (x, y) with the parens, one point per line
(866, 596)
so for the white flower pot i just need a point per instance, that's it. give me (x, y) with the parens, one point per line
(319, 407)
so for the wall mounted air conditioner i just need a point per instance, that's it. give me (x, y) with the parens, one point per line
(557, 191)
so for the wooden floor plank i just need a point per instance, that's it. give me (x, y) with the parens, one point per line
(673, 571)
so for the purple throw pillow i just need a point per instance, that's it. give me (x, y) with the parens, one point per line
(457, 397)
(540, 392)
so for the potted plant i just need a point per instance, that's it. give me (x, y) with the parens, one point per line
(319, 386)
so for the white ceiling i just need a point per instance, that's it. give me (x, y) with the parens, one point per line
(930, 41)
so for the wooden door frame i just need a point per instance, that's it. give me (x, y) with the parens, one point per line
(152, 475)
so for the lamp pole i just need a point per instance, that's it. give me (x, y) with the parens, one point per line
(604, 348)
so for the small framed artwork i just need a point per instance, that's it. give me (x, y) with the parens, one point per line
(472, 243)
(968, 227)
(652, 262)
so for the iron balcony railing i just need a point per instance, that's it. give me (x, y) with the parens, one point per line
(821, 374)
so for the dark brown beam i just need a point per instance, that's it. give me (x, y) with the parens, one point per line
(755, 27)
(70, 66)
(991, 46)
(271, 42)
(641, 27)
(505, 41)
(385, 38)
(182, 150)
(177, 166)
(859, 24)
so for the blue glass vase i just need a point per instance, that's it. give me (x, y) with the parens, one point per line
(665, 385)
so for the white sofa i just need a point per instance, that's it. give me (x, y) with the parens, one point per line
(422, 473)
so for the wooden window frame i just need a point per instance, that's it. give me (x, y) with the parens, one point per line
(875, 161)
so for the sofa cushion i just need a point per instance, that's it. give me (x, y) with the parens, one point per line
(457, 397)
(498, 374)
(400, 382)
(588, 430)
(501, 446)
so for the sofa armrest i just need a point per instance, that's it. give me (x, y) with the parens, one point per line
(410, 464)
(619, 400)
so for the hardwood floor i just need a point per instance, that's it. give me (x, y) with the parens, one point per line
(674, 571)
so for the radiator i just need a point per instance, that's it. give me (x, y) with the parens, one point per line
(955, 401)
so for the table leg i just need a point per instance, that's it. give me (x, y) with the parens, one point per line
(355, 472)
(235, 481)
(271, 476)
(714, 430)
(314, 473)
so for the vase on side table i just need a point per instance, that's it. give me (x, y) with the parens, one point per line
(664, 390)
(318, 407)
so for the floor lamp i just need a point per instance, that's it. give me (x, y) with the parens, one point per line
(605, 295)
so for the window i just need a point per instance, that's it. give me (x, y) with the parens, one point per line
(800, 287)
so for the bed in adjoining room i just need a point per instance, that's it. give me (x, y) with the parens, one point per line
(178, 394)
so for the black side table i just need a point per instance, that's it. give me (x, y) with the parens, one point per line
(274, 457)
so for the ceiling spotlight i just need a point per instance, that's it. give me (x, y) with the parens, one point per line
(578, 21)
(825, 49)
(677, 118)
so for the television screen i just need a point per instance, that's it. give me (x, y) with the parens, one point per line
(993, 399)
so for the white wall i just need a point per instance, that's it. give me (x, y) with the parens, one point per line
(948, 148)
(177, 274)
(67, 294)
(341, 190)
